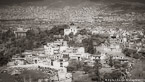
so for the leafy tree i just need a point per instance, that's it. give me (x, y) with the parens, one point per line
(86, 68)
(71, 68)
(96, 68)
(83, 32)
(66, 38)
(111, 61)
(71, 35)
(5, 77)
(117, 64)
(89, 47)
(107, 76)
(129, 52)
(75, 65)
(136, 55)
(58, 29)
(116, 74)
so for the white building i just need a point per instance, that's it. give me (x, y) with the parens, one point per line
(49, 50)
(72, 29)
(55, 47)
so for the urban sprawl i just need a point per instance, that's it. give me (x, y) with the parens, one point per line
(70, 52)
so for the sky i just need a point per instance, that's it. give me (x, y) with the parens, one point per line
(9, 2)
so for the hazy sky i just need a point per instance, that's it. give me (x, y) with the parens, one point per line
(8, 2)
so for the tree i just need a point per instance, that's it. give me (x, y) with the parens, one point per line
(125, 65)
(10, 33)
(32, 75)
(75, 65)
(136, 56)
(71, 35)
(86, 68)
(88, 44)
(83, 32)
(96, 68)
(129, 52)
(107, 76)
(5, 77)
(71, 42)
(111, 61)
(57, 29)
(116, 74)
(117, 64)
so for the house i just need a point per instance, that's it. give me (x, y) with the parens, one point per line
(95, 32)
(17, 60)
(95, 56)
(48, 49)
(113, 39)
(141, 50)
(121, 59)
(55, 47)
(38, 51)
(85, 55)
(20, 32)
(115, 47)
(132, 45)
(60, 63)
(75, 56)
(74, 53)
(27, 53)
(65, 56)
(79, 38)
(72, 29)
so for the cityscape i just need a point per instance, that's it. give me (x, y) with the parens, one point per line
(90, 41)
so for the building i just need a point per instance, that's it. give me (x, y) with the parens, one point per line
(55, 47)
(49, 50)
(20, 32)
(17, 60)
(72, 29)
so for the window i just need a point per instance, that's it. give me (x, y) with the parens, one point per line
(61, 64)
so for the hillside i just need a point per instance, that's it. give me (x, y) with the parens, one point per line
(115, 11)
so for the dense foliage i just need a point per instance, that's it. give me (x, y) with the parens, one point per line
(10, 45)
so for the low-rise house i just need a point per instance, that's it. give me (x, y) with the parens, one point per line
(121, 59)
(55, 47)
(49, 50)
(132, 45)
(95, 57)
(60, 63)
(141, 50)
(43, 59)
(72, 29)
(17, 60)
(65, 56)
(58, 36)
(38, 51)
(76, 53)
(115, 47)
(20, 32)
(75, 56)
(79, 38)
